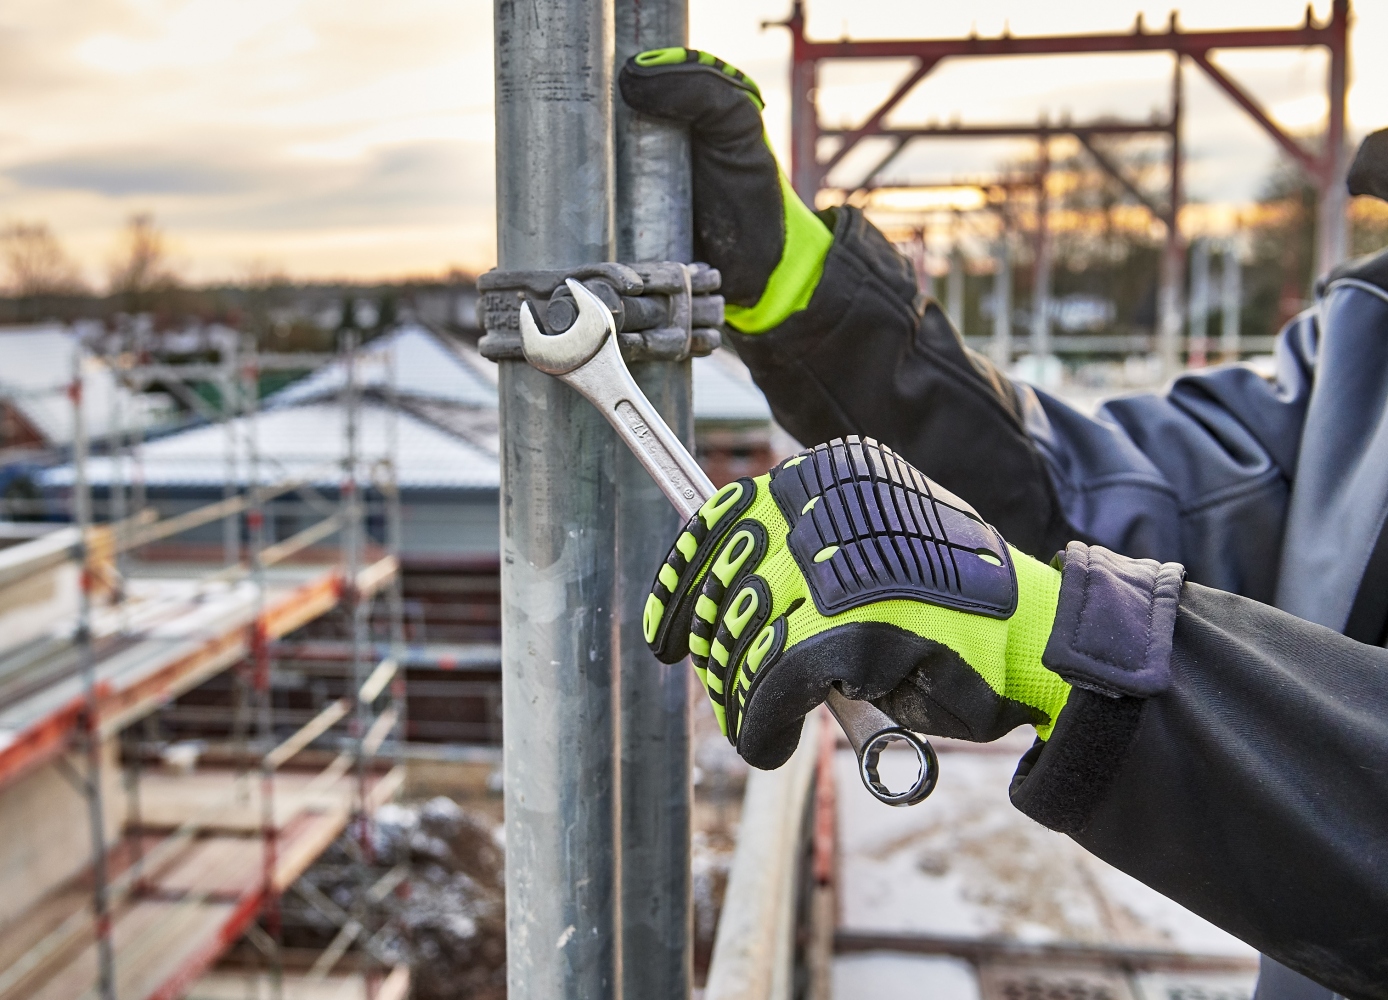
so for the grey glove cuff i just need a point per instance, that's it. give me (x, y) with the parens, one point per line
(1112, 641)
(1113, 625)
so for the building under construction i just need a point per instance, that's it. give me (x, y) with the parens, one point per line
(232, 639)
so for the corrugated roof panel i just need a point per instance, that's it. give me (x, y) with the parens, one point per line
(35, 370)
(303, 442)
(425, 368)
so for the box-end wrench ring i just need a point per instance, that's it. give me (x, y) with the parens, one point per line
(587, 357)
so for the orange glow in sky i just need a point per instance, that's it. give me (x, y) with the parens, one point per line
(354, 138)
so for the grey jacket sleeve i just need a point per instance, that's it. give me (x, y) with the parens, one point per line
(1200, 474)
(1229, 755)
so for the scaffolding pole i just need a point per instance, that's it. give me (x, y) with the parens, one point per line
(1173, 261)
(555, 182)
(1231, 299)
(1198, 336)
(1041, 282)
(91, 736)
(653, 218)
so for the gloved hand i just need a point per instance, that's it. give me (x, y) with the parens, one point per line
(846, 566)
(748, 222)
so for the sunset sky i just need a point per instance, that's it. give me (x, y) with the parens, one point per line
(354, 138)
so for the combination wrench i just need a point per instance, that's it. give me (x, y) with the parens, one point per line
(588, 358)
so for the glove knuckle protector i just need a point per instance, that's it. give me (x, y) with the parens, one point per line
(845, 565)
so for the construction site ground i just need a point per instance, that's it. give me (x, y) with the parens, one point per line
(966, 866)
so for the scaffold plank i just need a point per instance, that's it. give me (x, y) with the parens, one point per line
(175, 653)
(196, 903)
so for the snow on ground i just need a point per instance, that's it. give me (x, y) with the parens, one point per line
(966, 863)
(873, 976)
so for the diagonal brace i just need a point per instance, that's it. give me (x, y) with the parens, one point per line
(874, 122)
(1308, 160)
(1111, 168)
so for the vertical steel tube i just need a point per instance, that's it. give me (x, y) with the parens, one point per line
(1001, 347)
(1041, 293)
(1332, 237)
(1173, 257)
(1199, 319)
(653, 223)
(1231, 301)
(105, 987)
(804, 112)
(554, 182)
(954, 288)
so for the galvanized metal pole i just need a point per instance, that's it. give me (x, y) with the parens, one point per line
(1173, 256)
(954, 288)
(1041, 292)
(1231, 299)
(1002, 306)
(1197, 343)
(654, 222)
(1332, 225)
(105, 986)
(554, 186)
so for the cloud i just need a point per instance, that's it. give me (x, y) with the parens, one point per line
(118, 173)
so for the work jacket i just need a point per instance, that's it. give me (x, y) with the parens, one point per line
(1246, 778)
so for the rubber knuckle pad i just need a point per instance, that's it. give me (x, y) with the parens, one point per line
(867, 526)
(669, 609)
(740, 623)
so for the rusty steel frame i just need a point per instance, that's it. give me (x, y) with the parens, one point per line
(1325, 168)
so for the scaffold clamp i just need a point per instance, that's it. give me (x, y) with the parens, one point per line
(664, 310)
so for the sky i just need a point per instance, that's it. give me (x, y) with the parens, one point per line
(354, 138)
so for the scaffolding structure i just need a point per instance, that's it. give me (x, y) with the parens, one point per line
(163, 906)
(1324, 167)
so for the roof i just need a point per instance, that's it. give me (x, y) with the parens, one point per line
(724, 390)
(427, 367)
(437, 369)
(307, 442)
(36, 373)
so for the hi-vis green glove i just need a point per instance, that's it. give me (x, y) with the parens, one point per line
(748, 223)
(847, 566)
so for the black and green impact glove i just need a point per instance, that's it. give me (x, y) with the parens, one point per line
(845, 565)
(748, 222)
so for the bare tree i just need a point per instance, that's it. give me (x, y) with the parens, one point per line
(35, 263)
(141, 272)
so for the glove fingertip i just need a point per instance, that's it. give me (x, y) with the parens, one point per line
(768, 751)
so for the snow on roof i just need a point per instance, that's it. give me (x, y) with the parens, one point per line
(426, 367)
(36, 364)
(724, 390)
(430, 368)
(304, 442)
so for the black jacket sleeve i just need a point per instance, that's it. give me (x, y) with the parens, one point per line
(1229, 755)
(868, 357)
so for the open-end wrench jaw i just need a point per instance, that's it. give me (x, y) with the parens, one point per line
(561, 353)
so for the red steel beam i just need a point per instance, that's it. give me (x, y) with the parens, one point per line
(1308, 160)
(873, 126)
(1172, 40)
(987, 131)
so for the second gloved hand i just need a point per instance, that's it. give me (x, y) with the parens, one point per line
(846, 566)
(748, 223)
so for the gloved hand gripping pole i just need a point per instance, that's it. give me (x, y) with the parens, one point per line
(587, 357)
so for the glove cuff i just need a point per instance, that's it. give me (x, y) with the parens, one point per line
(797, 274)
(1030, 681)
(1114, 622)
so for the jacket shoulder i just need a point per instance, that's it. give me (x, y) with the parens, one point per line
(1371, 269)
